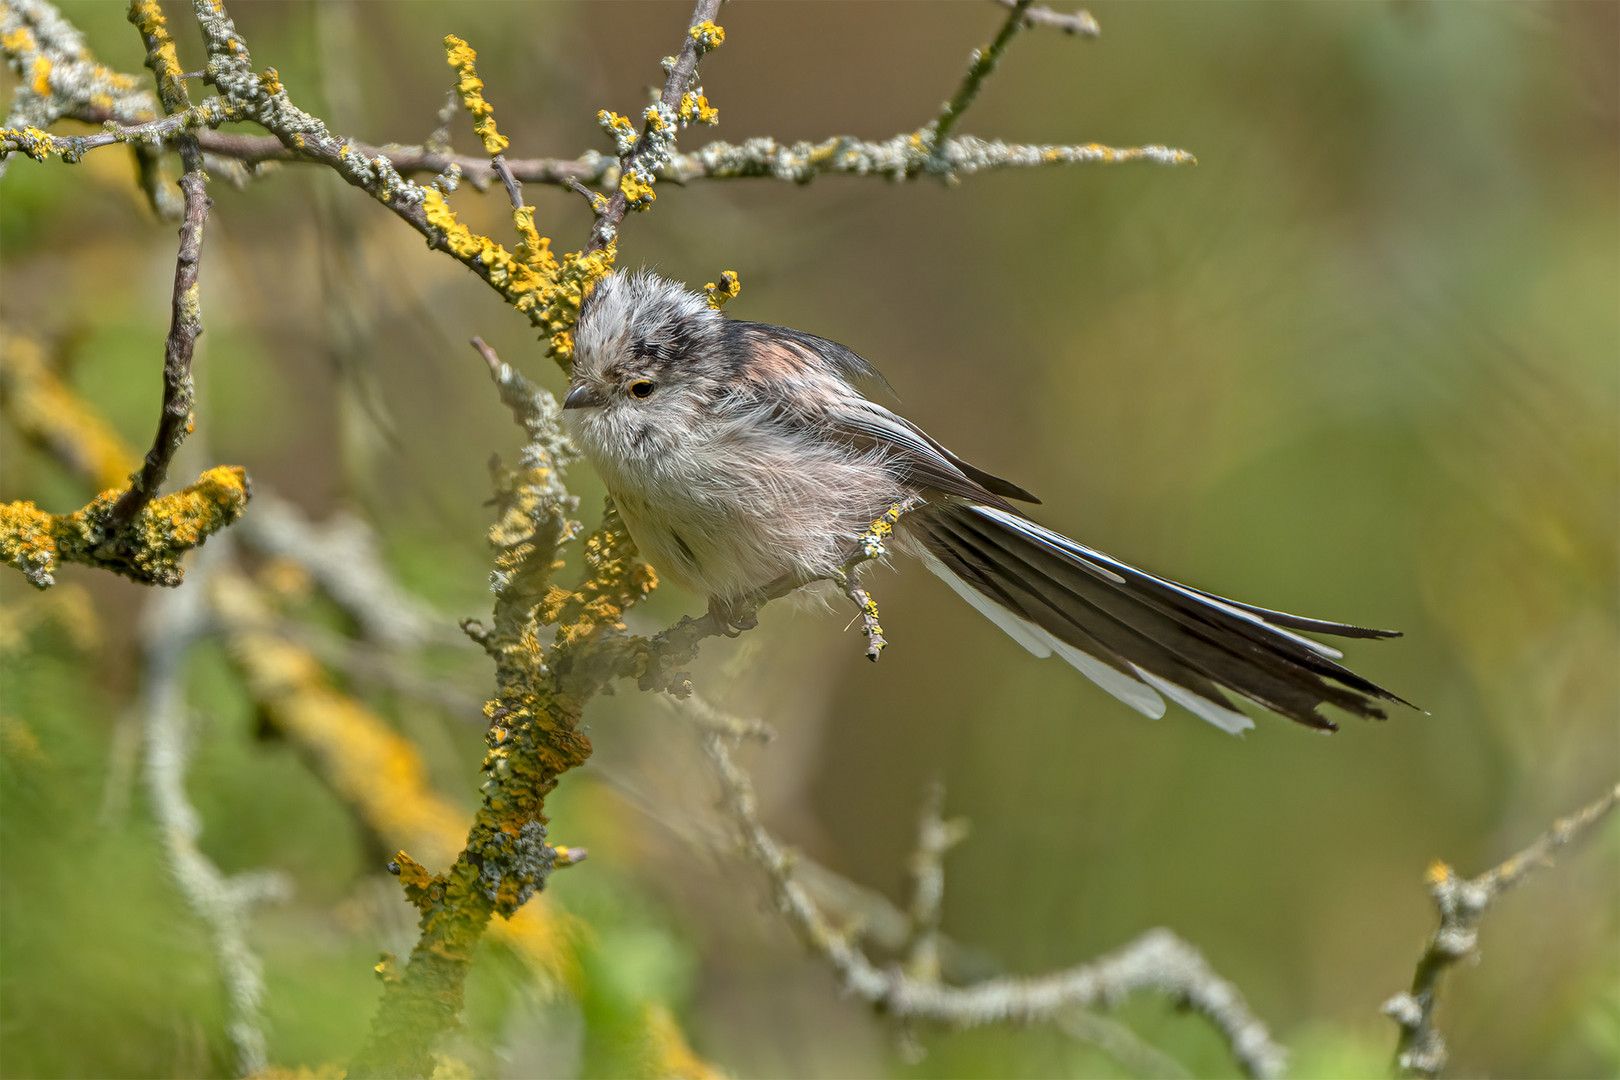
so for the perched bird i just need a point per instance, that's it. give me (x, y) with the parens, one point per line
(744, 458)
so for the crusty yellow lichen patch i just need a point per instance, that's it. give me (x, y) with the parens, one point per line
(148, 550)
(695, 109)
(39, 76)
(545, 289)
(148, 18)
(471, 88)
(727, 288)
(708, 35)
(17, 41)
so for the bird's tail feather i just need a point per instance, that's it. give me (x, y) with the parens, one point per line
(1139, 636)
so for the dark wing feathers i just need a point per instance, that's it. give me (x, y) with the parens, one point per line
(920, 461)
(1127, 618)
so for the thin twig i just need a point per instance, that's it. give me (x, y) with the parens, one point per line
(982, 63)
(1080, 22)
(926, 867)
(514, 190)
(1462, 902)
(185, 320)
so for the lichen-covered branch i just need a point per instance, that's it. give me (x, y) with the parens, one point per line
(533, 736)
(376, 772)
(57, 75)
(1462, 902)
(127, 533)
(147, 550)
(1158, 961)
(641, 156)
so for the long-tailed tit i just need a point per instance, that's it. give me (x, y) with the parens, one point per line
(742, 456)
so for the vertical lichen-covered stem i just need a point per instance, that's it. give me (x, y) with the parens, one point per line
(533, 735)
(185, 320)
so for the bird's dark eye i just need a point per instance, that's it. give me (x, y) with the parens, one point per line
(642, 388)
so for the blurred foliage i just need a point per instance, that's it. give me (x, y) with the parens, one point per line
(1360, 362)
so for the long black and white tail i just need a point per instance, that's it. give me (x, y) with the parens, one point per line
(1139, 636)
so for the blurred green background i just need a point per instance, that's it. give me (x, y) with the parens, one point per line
(1360, 362)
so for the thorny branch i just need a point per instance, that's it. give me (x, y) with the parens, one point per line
(1158, 960)
(1462, 902)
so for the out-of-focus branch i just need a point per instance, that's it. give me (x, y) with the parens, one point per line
(46, 412)
(1158, 960)
(173, 623)
(1462, 902)
(341, 555)
(1080, 22)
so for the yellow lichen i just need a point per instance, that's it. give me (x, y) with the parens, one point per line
(40, 76)
(30, 140)
(726, 289)
(17, 41)
(666, 1053)
(462, 57)
(378, 773)
(695, 108)
(708, 35)
(161, 57)
(638, 190)
(148, 549)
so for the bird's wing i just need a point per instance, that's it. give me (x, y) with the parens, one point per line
(919, 460)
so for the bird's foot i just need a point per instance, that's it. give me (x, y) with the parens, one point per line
(730, 619)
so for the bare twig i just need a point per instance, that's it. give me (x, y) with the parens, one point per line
(1462, 902)
(514, 190)
(935, 838)
(1158, 960)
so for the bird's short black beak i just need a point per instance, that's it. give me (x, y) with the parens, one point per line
(583, 396)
